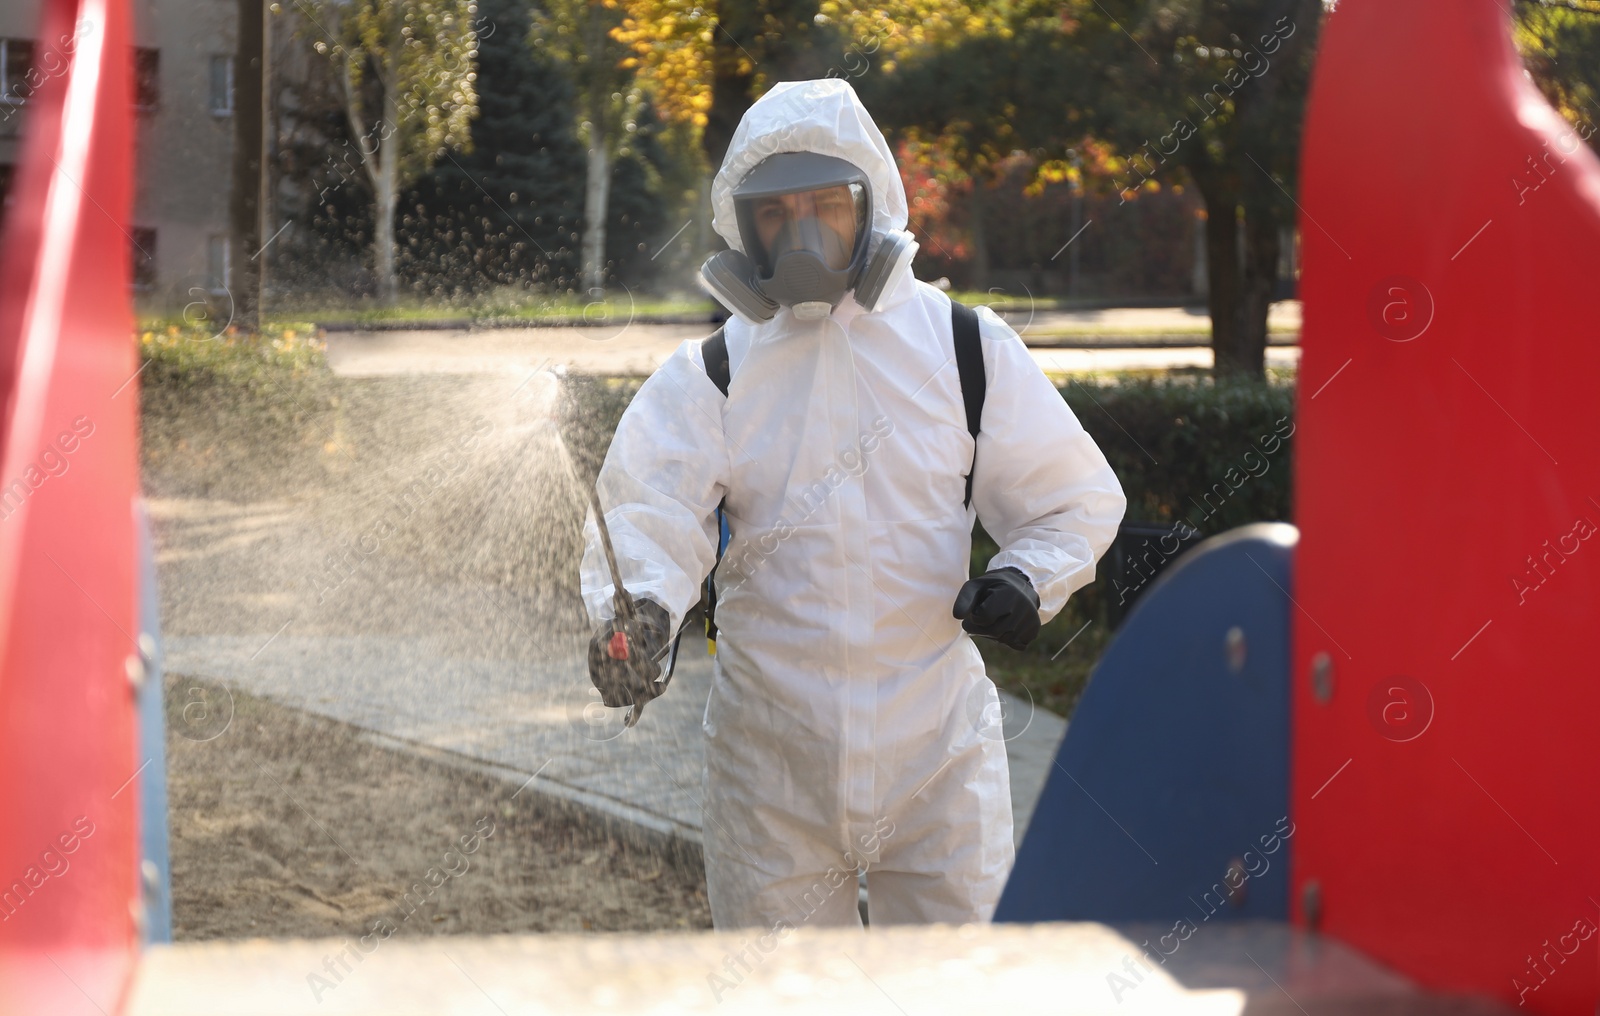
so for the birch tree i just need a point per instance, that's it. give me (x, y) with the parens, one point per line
(582, 34)
(406, 75)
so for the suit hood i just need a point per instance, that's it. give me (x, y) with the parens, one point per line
(824, 116)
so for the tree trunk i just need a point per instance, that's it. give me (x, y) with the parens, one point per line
(380, 157)
(730, 97)
(1222, 264)
(1260, 278)
(385, 196)
(383, 237)
(980, 239)
(244, 206)
(1258, 118)
(596, 195)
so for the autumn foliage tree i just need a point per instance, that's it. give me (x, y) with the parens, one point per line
(1560, 45)
(1214, 92)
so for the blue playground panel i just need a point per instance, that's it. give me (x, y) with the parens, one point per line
(1176, 764)
(157, 892)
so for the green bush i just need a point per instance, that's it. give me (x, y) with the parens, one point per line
(591, 408)
(1207, 454)
(1211, 455)
(229, 414)
(195, 354)
(1215, 455)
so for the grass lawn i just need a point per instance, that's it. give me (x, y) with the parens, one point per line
(1053, 672)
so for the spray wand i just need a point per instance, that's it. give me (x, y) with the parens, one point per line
(619, 647)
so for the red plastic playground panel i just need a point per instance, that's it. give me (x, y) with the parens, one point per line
(68, 617)
(1447, 489)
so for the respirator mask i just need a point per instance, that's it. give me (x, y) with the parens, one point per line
(805, 222)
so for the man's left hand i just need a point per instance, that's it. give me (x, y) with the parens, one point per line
(1001, 605)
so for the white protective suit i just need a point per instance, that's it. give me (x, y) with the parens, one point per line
(850, 723)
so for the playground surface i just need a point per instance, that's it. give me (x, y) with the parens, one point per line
(291, 825)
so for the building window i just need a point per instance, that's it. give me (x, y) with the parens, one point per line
(7, 174)
(218, 262)
(146, 79)
(222, 86)
(144, 257)
(16, 60)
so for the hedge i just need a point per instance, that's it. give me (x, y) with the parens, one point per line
(1201, 453)
(1212, 454)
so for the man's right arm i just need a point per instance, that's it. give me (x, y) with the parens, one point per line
(663, 477)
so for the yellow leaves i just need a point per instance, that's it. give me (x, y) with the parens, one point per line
(1055, 171)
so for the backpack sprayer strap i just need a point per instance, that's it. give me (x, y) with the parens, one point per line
(974, 381)
(715, 353)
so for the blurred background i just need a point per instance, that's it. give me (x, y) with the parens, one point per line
(399, 266)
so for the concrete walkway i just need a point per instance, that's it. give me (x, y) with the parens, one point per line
(540, 723)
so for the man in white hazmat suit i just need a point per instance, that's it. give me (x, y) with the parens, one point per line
(850, 725)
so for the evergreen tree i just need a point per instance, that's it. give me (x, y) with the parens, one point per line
(509, 211)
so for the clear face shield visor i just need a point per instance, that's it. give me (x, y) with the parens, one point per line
(805, 223)
(829, 222)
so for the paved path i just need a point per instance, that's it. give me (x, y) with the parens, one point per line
(541, 722)
(1124, 324)
(624, 346)
(433, 653)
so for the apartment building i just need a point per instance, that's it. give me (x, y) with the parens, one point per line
(183, 103)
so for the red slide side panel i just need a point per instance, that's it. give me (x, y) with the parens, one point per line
(68, 478)
(1445, 785)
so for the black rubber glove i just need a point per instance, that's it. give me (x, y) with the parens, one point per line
(1001, 605)
(622, 682)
